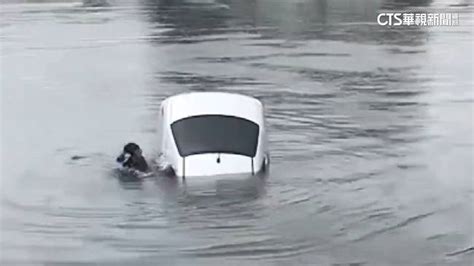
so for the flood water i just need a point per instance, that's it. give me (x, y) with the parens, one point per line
(371, 133)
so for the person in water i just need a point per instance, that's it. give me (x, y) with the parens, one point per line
(132, 157)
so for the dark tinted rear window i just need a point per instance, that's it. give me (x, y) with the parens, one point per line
(215, 133)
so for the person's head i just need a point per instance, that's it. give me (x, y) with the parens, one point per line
(132, 148)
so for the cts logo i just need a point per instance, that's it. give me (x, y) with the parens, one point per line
(384, 19)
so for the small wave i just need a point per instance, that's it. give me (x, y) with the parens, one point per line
(461, 252)
(252, 249)
(394, 227)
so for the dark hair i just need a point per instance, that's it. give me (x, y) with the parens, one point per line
(130, 148)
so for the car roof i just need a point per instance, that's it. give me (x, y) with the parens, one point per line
(212, 103)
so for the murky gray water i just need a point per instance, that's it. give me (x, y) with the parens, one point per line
(371, 133)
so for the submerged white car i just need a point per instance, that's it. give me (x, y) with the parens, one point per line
(212, 133)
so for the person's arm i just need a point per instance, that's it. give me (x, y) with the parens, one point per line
(121, 158)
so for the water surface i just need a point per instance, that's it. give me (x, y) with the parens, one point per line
(371, 133)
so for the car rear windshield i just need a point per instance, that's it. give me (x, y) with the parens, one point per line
(215, 134)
